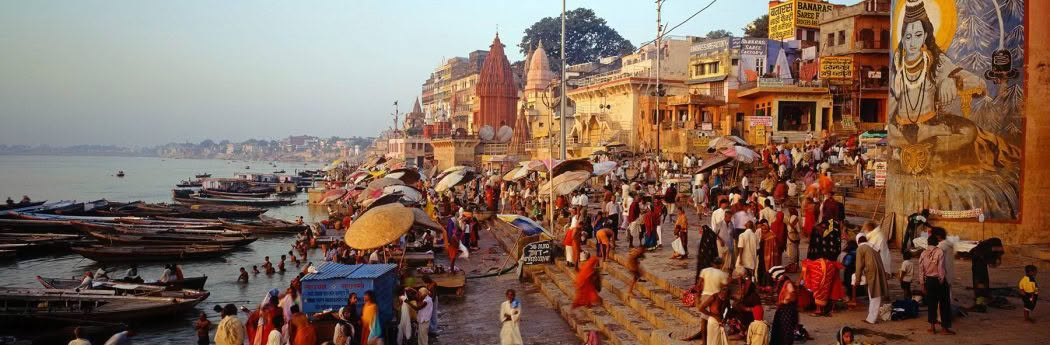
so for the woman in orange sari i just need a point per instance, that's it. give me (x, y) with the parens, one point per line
(371, 329)
(261, 322)
(586, 284)
(301, 332)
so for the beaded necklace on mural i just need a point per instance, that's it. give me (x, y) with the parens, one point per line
(911, 83)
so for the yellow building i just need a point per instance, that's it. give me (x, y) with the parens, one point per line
(784, 111)
(609, 104)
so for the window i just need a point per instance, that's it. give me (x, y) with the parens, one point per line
(867, 37)
(736, 62)
(760, 66)
(831, 39)
(698, 69)
(884, 39)
(713, 67)
(811, 35)
(842, 37)
(739, 117)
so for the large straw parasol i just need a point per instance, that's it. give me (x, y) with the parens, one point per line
(565, 183)
(724, 142)
(406, 175)
(422, 219)
(379, 226)
(408, 194)
(572, 165)
(534, 165)
(375, 188)
(453, 179)
(333, 195)
(516, 174)
(741, 154)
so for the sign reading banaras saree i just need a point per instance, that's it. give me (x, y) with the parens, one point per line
(956, 125)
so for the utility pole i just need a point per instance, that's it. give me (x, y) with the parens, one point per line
(562, 91)
(659, 56)
(395, 118)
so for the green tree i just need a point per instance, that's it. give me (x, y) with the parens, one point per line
(720, 33)
(758, 28)
(587, 38)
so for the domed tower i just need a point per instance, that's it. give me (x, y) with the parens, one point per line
(540, 74)
(497, 94)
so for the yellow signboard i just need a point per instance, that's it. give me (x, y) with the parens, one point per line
(760, 135)
(836, 68)
(782, 21)
(807, 13)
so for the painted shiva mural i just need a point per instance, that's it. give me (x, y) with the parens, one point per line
(956, 129)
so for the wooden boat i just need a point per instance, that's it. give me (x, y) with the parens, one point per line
(267, 225)
(120, 173)
(202, 175)
(189, 283)
(125, 288)
(168, 240)
(38, 225)
(188, 184)
(151, 253)
(140, 209)
(53, 305)
(6, 207)
(188, 198)
(159, 230)
(236, 195)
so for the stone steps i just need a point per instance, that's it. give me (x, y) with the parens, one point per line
(614, 332)
(563, 303)
(610, 312)
(658, 297)
(639, 305)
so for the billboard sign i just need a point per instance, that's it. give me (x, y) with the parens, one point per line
(807, 13)
(710, 46)
(753, 46)
(836, 68)
(782, 21)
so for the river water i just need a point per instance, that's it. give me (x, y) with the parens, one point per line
(467, 321)
(147, 179)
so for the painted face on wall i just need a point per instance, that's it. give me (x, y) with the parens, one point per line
(914, 38)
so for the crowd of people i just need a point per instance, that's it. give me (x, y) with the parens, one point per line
(744, 252)
(753, 241)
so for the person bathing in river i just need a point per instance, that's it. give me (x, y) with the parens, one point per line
(255, 269)
(243, 278)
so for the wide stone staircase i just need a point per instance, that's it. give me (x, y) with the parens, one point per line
(652, 315)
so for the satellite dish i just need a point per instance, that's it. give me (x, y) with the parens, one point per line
(486, 133)
(504, 134)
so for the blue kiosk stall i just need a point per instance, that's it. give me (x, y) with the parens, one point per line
(329, 288)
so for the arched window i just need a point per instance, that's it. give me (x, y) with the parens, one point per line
(884, 39)
(867, 36)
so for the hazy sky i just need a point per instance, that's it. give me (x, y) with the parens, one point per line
(144, 72)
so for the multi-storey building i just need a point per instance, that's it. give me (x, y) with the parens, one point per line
(610, 106)
(857, 37)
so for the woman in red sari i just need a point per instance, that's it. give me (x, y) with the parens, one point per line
(779, 229)
(809, 209)
(822, 279)
(586, 284)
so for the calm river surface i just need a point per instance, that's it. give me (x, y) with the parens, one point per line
(147, 179)
(469, 321)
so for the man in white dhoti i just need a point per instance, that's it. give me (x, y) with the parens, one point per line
(510, 317)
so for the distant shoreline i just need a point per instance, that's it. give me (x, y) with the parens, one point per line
(66, 154)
